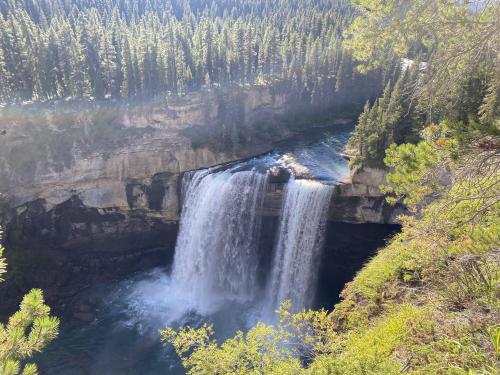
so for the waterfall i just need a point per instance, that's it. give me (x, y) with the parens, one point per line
(299, 244)
(216, 251)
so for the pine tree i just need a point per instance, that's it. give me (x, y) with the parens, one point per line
(80, 85)
(53, 80)
(27, 332)
(5, 89)
(127, 88)
(115, 48)
(109, 62)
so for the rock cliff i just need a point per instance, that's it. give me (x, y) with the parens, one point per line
(358, 199)
(91, 186)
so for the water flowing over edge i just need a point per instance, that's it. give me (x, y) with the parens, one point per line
(216, 256)
(300, 241)
(216, 251)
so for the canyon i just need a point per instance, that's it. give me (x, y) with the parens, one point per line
(95, 190)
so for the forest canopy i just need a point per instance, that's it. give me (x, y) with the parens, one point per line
(53, 49)
(450, 68)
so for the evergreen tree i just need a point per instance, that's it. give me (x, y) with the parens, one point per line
(5, 79)
(27, 332)
(391, 119)
(114, 48)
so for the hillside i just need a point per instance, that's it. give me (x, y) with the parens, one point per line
(428, 302)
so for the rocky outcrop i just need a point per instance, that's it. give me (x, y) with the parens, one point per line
(358, 199)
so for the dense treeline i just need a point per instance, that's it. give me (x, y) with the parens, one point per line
(53, 49)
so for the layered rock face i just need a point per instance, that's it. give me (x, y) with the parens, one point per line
(115, 163)
(96, 187)
(358, 199)
(51, 154)
(90, 187)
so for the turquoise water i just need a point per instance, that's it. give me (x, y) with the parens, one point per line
(315, 155)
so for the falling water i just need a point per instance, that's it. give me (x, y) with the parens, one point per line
(215, 256)
(300, 240)
(216, 251)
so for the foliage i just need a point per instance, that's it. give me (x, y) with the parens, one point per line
(27, 332)
(458, 39)
(411, 177)
(263, 349)
(387, 121)
(371, 350)
(452, 50)
(121, 49)
(494, 332)
(423, 171)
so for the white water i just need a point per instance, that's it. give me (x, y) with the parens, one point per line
(299, 245)
(216, 251)
(125, 337)
(216, 255)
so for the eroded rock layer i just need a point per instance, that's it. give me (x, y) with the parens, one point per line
(93, 189)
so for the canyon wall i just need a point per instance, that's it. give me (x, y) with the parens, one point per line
(93, 189)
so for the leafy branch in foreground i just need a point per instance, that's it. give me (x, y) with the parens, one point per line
(264, 349)
(27, 332)
(466, 156)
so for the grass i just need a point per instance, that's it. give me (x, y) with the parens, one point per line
(381, 348)
(428, 303)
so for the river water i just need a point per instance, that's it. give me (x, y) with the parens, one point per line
(214, 275)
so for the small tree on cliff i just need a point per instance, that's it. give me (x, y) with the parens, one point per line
(28, 331)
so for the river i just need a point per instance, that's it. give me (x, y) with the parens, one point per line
(214, 276)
